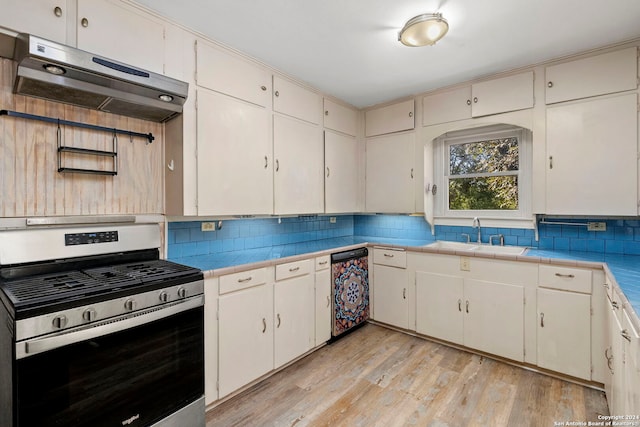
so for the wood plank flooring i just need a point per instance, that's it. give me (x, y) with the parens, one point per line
(380, 377)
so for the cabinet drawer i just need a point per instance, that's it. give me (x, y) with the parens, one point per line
(242, 280)
(390, 257)
(323, 262)
(294, 269)
(565, 279)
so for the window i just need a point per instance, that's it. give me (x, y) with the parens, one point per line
(484, 172)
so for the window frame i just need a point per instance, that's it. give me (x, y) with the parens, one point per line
(441, 161)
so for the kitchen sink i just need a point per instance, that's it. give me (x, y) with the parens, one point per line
(474, 247)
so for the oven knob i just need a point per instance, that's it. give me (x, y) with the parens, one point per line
(60, 321)
(164, 297)
(89, 315)
(130, 304)
(182, 292)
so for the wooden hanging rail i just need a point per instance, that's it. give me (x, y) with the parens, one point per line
(148, 136)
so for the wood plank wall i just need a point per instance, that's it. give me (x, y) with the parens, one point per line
(30, 184)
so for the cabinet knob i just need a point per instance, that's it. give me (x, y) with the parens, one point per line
(404, 293)
(279, 321)
(84, 22)
(264, 88)
(460, 306)
(468, 102)
(550, 84)
(57, 11)
(475, 99)
(326, 112)
(264, 325)
(542, 320)
(277, 93)
(328, 301)
(277, 165)
(411, 173)
(466, 308)
(328, 171)
(410, 113)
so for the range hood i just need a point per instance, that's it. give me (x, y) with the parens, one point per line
(56, 72)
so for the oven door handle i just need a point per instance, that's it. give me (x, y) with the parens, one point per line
(106, 327)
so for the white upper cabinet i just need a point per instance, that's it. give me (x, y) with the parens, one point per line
(391, 118)
(296, 101)
(340, 118)
(232, 75)
(43, 18)
(446, 106)
(390, 173)
(299, 166)
(501, 95)
(120, 32)
(592, 157)
(341, 173)
(597, 75)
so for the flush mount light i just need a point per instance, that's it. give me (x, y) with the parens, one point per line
(54, 69)
(423, 30)
(166, 98)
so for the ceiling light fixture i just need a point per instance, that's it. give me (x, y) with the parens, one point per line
(423, 30)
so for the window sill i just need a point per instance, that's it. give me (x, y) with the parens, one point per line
(525, 223)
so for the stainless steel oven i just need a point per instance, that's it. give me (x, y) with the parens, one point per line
(112, 336)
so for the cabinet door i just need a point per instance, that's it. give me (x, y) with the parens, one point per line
(299, 167)
(38, 17)
(341, 173)
(446, 106)
(230, 74)
(617, 400)
(234, 157)
(501, 95)
(211, 339)
(597, 75)
(390, 301)
(323, 306)
(592, 163)
(392, 118)
(564, 332)
(439, 306)
(631, 344)
(110, 27)
(390, 174)
(296, 101)
(340, 118)
(294, 318)
(494, 318)
(245, 337)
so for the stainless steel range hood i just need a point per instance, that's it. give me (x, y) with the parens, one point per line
(56, 72)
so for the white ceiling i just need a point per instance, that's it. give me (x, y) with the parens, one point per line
(349, 48)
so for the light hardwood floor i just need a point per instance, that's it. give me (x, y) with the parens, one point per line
(380, 377)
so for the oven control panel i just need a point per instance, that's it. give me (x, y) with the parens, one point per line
(72, 239)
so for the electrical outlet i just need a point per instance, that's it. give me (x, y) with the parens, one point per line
(332, 219)
(208, 226)
(597, 226)
(465, 263)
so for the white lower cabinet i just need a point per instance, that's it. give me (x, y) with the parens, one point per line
(564, 332)
(245, 337)
(323, 300)
(486, 316)
(391, 291)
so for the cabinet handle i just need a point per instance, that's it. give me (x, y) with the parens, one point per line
(263, 87)
(550, 162)
(278, 316)
(326, 112)
(292, 269)
(277, 93)
(328, 301)
(615, 305)
(625, 335)
(266, 162)
(467, 306)
(389, 255)
(410, 113)
(475, 99)
(460, 305)
(411, 173)
(328, 171)
(84, 22)
(277, 165)
(542, 320)
(57, 11)
(550, 84)
(609, 359)
(606, 285)
(323, 262)
(404, 293)
(246, 279)
(568, 276)
(468, 102)
(264, 325)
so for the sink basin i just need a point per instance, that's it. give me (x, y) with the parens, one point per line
(474, 247)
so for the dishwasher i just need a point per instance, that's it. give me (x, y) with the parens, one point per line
(350, 290)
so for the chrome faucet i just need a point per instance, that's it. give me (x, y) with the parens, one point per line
(476, 224)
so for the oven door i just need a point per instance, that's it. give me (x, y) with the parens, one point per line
(136, 376)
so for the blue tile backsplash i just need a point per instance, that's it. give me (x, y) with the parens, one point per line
(187, 239)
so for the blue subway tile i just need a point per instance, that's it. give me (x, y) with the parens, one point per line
(189, 249)
(561, 244)
(631, 248)
(227, 245)
(623, 233)
(594, 245)
(517, 232)
(202, 247)
(524, 241)
(578, 245)
(182, 235)
(511, 240)
(196, 235)
(545, 243)
(215, 246)
(613, 247)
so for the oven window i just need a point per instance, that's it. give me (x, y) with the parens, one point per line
(133, 378)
